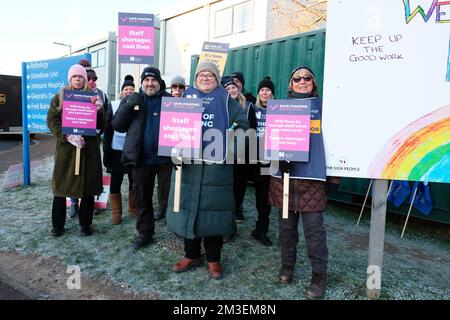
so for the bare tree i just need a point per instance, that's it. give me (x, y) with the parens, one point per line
(295, 16)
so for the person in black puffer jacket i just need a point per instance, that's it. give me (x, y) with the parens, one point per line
(139, 116)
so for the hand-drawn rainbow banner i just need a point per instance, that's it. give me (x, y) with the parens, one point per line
(419, 152)
(386, 109)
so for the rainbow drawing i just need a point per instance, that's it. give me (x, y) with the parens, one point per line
(419, 152)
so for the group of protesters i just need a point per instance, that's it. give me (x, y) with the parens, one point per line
(212, 190)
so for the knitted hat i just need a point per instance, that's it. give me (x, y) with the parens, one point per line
(267, 83)
(209, 67)
(85, 63)
(240, 76)
(152, 72)
(301, 67)
(128, 82)
(77, 70)
(227, 81)
(178, 80)
(91, 73)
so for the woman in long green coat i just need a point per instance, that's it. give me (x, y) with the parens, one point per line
(207, 201)
(64, 182)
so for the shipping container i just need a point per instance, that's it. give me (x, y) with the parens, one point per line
(10, 104)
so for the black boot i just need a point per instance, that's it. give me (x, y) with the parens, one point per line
(317, 287)
(160, 214)
(286, 273)
(86, 231)
(57, 232)
(261, 237)
(240, 214)
(142, 242)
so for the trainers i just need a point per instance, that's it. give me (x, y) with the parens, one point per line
(141, 242)
(317, 287)
(73, 210)
(86, 231)
(261, 237)
(286, 274)
(56, 232)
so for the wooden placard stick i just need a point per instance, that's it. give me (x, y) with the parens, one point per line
(177, 190)
(77, 161)
(409, 212)
(364, 204)
(285, 195)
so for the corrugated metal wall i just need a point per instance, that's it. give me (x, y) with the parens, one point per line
(277, 58)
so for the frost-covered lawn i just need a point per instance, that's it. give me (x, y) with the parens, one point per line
(416, 267)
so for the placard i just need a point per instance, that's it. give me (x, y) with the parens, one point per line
(79, 113)
(180, 129)
(288, 130)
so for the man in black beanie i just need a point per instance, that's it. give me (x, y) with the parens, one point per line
(139, 116)
(240, 83)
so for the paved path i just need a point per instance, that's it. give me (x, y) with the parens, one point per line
(43, 145)
(9, 290)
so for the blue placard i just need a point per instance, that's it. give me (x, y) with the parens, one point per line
(41, 80)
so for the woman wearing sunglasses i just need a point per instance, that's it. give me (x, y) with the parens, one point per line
(307, 196)
(177, 86)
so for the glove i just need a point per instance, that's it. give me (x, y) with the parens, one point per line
(285, 166)
(76, 140)
(135, 99)
(96, 101)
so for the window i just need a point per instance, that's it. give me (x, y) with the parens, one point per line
(243, 17)
(98, 58)
(224, 22)
(236, 19)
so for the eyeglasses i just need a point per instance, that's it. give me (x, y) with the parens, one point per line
(176, 86)
(92, 79)
(306, 79)
(206, 76)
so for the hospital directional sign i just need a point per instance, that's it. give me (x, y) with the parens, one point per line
(41, 80)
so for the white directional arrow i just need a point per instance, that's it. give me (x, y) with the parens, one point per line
(28, 97)
(28, 67)
(28, 77)
(28, 86)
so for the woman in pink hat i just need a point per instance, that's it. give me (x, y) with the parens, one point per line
(64, 182)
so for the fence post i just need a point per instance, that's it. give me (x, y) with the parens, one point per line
(376, 238)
